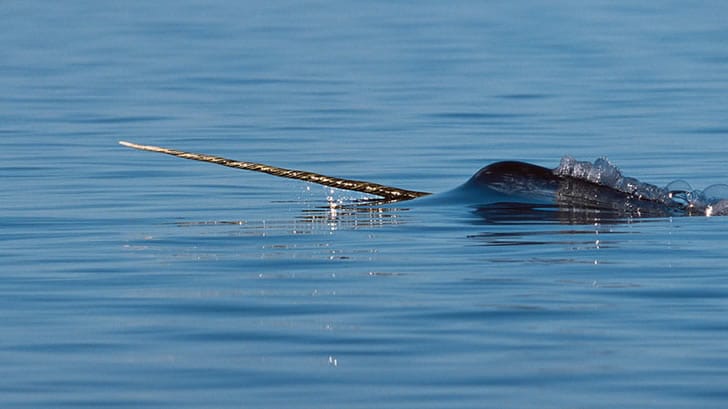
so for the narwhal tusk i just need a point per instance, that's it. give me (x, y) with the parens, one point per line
(387, 192)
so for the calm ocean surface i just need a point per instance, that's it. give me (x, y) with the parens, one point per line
(136, 280)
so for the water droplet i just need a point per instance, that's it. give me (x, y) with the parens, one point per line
(679, 186)
(716, 192)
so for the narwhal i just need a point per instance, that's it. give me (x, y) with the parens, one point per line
(515, 186)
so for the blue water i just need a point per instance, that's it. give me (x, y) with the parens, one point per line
(132, 279)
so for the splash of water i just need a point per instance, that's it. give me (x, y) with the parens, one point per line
(711, 201)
